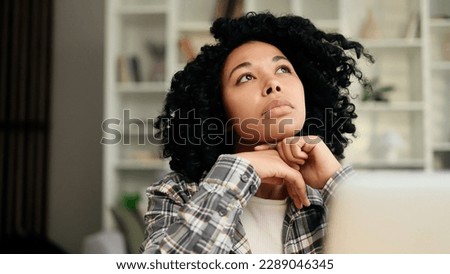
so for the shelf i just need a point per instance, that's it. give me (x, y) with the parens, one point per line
(399, 43)
(439, 23)
(390, 106)
(440, 65)
(142, 87)
(442, 147)
(142, 10)
(149, 165)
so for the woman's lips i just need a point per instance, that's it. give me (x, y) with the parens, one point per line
(277, 108)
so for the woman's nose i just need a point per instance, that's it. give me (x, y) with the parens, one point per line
(271, 87)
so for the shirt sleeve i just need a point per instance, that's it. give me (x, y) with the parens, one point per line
(205, 222)
(338, 177)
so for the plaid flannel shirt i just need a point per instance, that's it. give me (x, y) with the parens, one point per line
(186, 217)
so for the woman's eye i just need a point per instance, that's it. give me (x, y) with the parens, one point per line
(245, 78)
(283, 69)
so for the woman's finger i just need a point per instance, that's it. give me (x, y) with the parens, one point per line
(293, 194)
(298, 184)
(288, 151)
(298, 154)
(283, 156)
(286, 147)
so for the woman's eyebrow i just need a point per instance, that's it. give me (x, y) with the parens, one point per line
(245, 64)
(278, 58)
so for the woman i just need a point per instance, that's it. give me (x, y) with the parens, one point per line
(254, 126)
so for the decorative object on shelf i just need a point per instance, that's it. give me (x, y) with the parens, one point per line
(229, 8)
(157, 52)
(372, 91)
(387, 146)
(143, 156)
(191, 43)
(445, 48)
(186, 48)
(413, 26)
(370, 29)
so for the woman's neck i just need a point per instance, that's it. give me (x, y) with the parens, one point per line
(271, 189)
(239, 147)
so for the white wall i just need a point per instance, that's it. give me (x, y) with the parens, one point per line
(76, 154)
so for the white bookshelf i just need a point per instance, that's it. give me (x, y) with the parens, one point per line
(415, 116)
(132, 27)
(438, 53)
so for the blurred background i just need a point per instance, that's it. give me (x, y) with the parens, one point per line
(80, 82)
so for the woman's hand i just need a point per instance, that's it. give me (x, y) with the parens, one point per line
(309, 155)
(269, 165)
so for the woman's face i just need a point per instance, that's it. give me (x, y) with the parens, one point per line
(262, 93)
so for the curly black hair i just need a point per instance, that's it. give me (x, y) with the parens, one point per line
(325, 63)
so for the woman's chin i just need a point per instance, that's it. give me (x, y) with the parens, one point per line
(272, 136)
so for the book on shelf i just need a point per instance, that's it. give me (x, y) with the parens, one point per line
(129, 68)
(135, 68)
(123, 74)
(157, 57)
(413, 26)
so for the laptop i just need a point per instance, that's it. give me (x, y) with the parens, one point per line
(391, 213)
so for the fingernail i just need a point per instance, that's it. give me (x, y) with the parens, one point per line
(308, 203)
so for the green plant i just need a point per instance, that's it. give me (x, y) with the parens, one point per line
(130, 200)
(372, 91)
